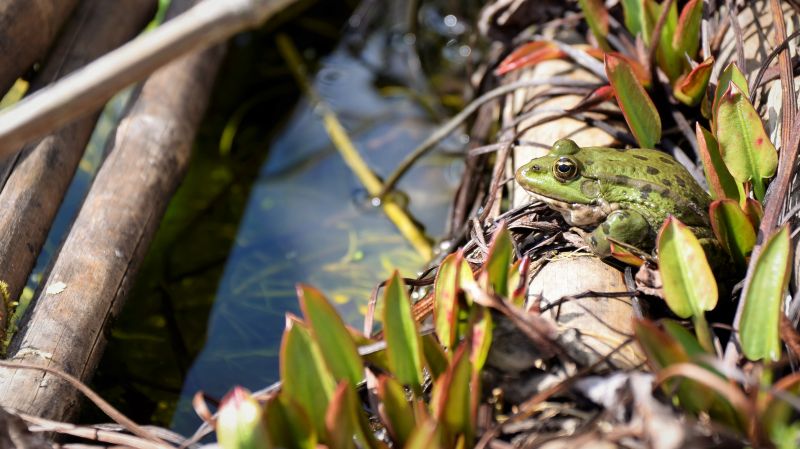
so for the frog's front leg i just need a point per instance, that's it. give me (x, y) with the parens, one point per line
(626, 226)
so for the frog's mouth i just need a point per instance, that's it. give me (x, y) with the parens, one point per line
(577, 214)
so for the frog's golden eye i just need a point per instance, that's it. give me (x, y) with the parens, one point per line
(565, 169)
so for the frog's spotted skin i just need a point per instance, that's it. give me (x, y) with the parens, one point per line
(587, 185)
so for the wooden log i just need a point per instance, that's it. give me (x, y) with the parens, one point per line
(27, 29)
(96, 266)
(40, 177)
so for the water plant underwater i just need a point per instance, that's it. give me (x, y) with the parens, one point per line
(423, 387)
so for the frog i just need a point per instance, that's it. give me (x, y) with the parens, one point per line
(622, 195)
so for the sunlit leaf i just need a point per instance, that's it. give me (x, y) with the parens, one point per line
(501, 253)
(403, 346)
(288, 424)
(445, 299)
(661, 349)
(306, 379)
(595, 97)
(754, 211)
(639, 111)
(635, 18)
(720, 181)
(528, 55)
(733, 229)
(451, 397)
(691, 87)
(240, 424)
(596, 15)
(395, 410)
(670, 59)
(427, 435)
(481, 337)
(731, 74)
(518, 281)
(689, 285)
(745, 146)
(336, 345)
(625, 256)
(345, 419)
(686, 40)
(683, 337)
(758, 329)
(435, 358)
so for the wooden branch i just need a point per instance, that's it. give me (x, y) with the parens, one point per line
(41, 176)
(27, 29)
(210, 22)
(96, 266)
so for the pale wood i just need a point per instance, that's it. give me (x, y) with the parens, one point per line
(42, 173)
(27, 29)
(95, 268)
(208, 23)
(601, 322)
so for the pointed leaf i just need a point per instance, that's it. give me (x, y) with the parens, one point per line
(635, 20)
(395, 410)
(306, 379)
(625, 256)
(639, 111)
(691, 88)
(528, 55)
(733, 229)
(518, 281)
(435, 358)
(754, 211)
(763, 299)
(720, 181)
(427, 435)
(670, 59)
(595, 97)
(403, 346)
(451, 396)
(687, 341)
(344, 420)
(689, 285)
(481, 337)
(241, 422)
(686, 40)
(336, 345)
(731, 74)
(745, 146)
(501, 253)
(596, 15)
(288, 424)
(445, 299)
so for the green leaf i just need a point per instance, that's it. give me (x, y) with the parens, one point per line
(445, 299)
(637, 107)
(684, 338)
(691, 88)
(306, 379)
(345, 419)
(689, 285)
(427, 435)
(596, 15)
(336, 345)
(240, 424)
(451, 398)
(733, 229)
(288, 424)
(396, 412)
(731, 74)
(662, 350)
(481, 337)
(670, 59)
(501, 253)
(686, 40)
(745, 146)
(758, 329)
(635, 18)
(720, 181)
(435, 358)
(403, 346)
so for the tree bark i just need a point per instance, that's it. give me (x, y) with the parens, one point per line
(97, 264)
(40, 175)
(27, 29)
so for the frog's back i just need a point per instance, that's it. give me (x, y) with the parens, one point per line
(648, 181)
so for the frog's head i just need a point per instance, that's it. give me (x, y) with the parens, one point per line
(557, 176)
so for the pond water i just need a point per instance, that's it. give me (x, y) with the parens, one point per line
(268, 202)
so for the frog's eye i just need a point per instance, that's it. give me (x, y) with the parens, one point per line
(565, 169)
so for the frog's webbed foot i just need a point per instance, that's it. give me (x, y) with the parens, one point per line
(622, 225)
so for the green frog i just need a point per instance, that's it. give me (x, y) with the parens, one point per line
(623, 194)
